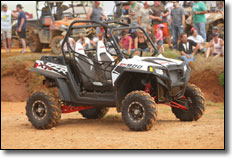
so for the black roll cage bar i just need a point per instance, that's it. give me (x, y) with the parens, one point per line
(105, 26)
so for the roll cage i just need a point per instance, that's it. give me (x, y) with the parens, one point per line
(109, 30)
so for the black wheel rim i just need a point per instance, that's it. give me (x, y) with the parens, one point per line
(136, 112)
(39, 110)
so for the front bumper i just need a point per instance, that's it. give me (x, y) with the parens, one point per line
(171, 85)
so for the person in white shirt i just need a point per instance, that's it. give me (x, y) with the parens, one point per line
(197, 39)
(6, 27)
(215, 46)
(84, 41)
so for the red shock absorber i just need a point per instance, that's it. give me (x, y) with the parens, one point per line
(148, 88)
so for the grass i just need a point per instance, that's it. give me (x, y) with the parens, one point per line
(220, 105)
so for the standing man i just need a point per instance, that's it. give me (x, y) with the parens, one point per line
(177, 21)
(134, 12)
(199, 20)
(158, 14)
(21, 26)
(143, 17)
(6, 27)
(96, 12)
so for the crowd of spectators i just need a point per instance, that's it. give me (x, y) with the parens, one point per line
(164, 22)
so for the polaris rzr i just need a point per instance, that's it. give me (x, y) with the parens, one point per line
(93, 80)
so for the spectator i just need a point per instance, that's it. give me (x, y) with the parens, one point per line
(126, 43)
(71, 42)
(211, 5)
(159, 37)
(199, 20)
(141, 42)
(221, 8)
(159, 16)
(150, 32)
(134, 12)
(99, 37)
(215, 47)
(59, 11)
(6, 27)
(197, 39)
(177, 21)
(84, 41)
(21, 26)
(186, 49)
(169, 6)
(96, 12)
(143, 16)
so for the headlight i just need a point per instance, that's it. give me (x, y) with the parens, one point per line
(156, 70)
(159, 71)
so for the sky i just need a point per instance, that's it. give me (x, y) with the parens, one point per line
(29, 6)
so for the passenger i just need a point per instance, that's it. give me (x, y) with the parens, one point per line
(215, 47)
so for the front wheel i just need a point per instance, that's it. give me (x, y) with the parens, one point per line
(196, 104)
(139, 111)
(42, 110)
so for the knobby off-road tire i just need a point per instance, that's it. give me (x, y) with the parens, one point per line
(43, 110)
(34, 43)
(55, 44)
(197, 107)
(139, 111)
(94, 113)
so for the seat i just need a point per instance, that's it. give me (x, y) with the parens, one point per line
(85, 64)
(105, 60)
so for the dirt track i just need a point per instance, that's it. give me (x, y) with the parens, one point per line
(74, 132)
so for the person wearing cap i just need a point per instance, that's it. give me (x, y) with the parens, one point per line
(6, 27)
(159, 37)
(21, 26)
(96, 12)
(177, 21)
(199, 20)
(215, 46)
(188, 49)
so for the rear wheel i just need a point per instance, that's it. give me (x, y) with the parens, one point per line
(42, 110)
(33, 39)
(94, 113)
(196, 104)
(139, 111)
(55, 44)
